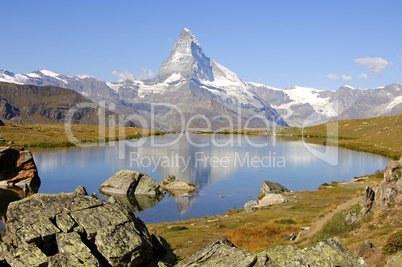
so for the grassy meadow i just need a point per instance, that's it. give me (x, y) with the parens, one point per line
(54, 135)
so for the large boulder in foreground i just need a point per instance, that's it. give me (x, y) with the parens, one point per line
(223, 253)
(271, 187)
(126, 182)
(17, 168)
(74, 229)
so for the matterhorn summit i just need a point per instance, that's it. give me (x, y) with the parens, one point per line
(186, 59)
(189, 77)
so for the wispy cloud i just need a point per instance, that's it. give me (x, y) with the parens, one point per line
(333, 76)
(123, 75)
(363, 76)
(374, 65)
(126, 75)
(145, 74)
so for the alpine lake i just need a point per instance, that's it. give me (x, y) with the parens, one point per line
(227, 170)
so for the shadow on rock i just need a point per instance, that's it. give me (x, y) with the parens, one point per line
(10, 194)
(137, 203)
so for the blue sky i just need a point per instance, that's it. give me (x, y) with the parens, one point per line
(320, 44)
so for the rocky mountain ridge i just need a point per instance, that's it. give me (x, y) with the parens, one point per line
(48, 105)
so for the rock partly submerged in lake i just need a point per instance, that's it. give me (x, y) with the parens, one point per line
(17, 168)
(74, 229)
(126, 182)
(177, 187)
(223, 253)
(136, 190)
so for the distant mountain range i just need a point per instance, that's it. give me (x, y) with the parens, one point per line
(47, 105)
(301, 105)
(205, 91)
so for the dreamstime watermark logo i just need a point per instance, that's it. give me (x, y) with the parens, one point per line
(184, 126)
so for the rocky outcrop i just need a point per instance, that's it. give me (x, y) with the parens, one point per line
(220, 253)
(273, 199)
(17, 168)
(74, 229)
(251, 206)
(330, 252)
(177, 186)
(126, 182)
(223, 253)
(272, 187)
(390, 189)
(367, 200)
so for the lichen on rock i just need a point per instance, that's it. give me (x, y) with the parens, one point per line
(70, 229)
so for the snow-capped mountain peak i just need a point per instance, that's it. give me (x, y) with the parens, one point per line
(186, 33)
(187, 59)
(348, 87)
(48, 73)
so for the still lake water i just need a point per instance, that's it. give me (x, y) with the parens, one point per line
(219, 165)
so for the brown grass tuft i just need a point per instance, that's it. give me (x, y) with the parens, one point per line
(262, 236)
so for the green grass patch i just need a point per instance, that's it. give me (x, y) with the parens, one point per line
(171, 177)
(393, 243)
(336, 226)
(49, 144)
(398, 173)
(285, 221)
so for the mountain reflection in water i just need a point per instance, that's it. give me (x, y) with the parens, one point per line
(217, 165)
